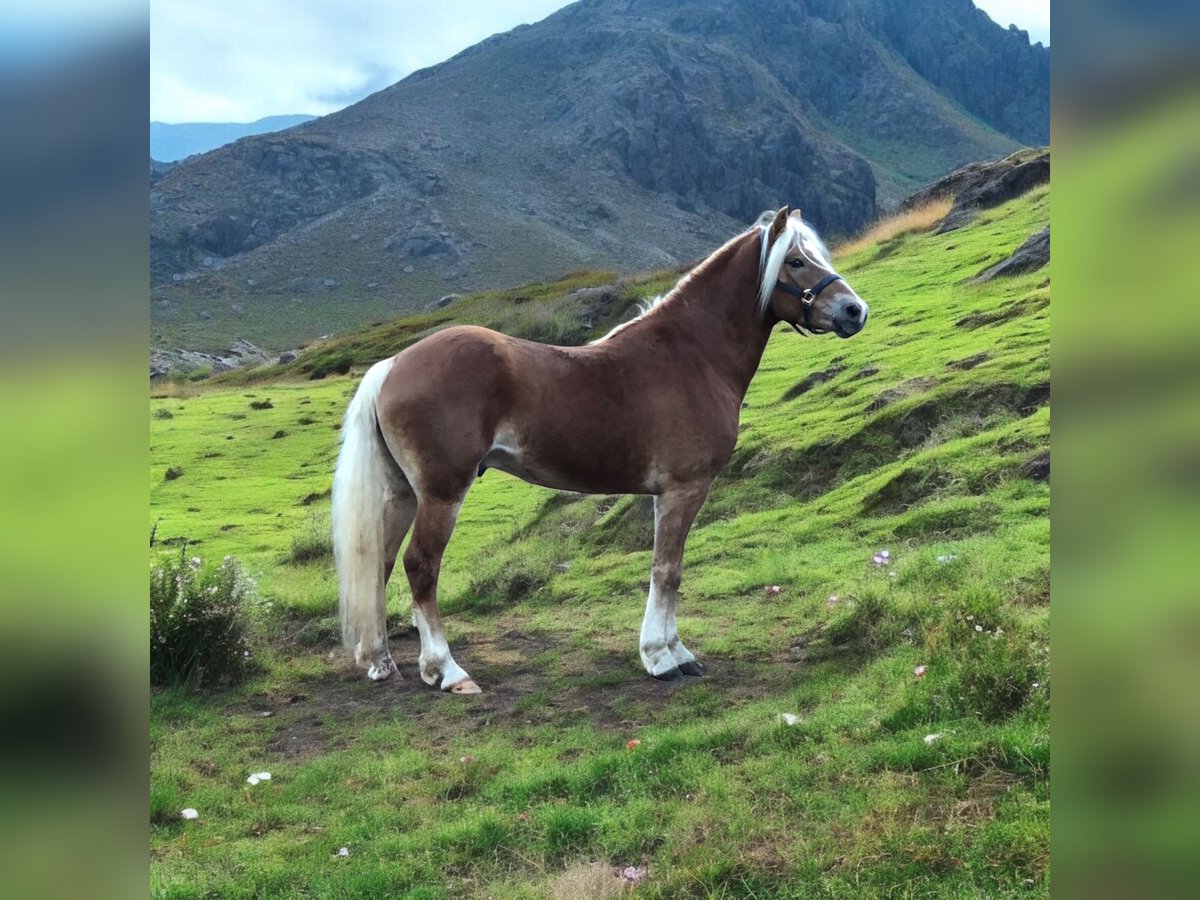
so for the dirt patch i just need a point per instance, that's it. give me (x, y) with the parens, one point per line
(809, 382)
(595, 881)
(1026, 307)
(907, 389)
(1038, 395)
(908, 489)
(969, 362)
(528, 678)
(1037, 468)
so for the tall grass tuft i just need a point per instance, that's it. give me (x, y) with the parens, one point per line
(919, 218)
(198, 622)
(314, 545)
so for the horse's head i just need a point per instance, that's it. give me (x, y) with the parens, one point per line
(799, 285)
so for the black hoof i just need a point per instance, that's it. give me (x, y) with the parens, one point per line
(670, 675)
(692, 668)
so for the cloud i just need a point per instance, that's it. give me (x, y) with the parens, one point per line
(240, 60)
(1031, 15)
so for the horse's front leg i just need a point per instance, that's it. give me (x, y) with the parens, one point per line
(663, 654)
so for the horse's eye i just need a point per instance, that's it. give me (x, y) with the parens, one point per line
(796, 263)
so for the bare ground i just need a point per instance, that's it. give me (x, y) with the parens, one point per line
(609, 691)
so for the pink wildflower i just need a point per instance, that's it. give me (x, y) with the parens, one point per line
(633, 874)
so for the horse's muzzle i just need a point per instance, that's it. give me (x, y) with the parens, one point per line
(849, 316)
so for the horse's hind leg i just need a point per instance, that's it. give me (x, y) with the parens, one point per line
(399, 509)
(397, 519)
(422, 562)
(663, 654)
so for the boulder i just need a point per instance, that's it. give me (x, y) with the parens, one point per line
(1030, 256)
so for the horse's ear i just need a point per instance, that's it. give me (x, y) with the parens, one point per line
(796, 214)
(777, 225)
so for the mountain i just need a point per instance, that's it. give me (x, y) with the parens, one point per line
(616, 133)
(170, 143)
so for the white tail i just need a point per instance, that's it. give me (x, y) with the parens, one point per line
(360, 486)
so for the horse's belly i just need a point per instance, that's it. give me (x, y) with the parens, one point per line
(560, 472)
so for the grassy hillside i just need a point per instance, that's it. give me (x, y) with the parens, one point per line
(927, 435)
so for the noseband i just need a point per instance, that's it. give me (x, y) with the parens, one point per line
(807, 297)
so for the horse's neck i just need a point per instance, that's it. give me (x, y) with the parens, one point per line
(717, 308)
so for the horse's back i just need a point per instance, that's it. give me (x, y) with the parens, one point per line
(601, 418)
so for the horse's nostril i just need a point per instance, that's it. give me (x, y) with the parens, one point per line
(854, 311)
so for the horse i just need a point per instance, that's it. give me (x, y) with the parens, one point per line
(651, 408)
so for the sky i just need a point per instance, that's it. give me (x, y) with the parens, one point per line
(241, 60)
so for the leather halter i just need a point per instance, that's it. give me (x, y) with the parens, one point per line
(807, 297)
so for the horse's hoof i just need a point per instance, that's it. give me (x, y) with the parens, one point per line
(670, 675)
(382, 670)
(466, 686)
(692, 668)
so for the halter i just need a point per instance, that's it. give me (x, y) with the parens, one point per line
(807, 297)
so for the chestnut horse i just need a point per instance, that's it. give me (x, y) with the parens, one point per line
(652, 408)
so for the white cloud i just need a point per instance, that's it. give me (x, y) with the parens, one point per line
(240, 60)
(1031, 15)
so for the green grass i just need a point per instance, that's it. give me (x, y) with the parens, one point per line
(920, 437)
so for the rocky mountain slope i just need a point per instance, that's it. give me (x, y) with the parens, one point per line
(616, 133)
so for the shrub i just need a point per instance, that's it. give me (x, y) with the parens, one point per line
(198, 622)
(163, 413)
(261, 404)
(870, 624)
(315, 545)
(172, 473)
(996, 675)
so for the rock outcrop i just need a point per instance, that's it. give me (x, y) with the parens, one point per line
(1030, 256)
(982, 185)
